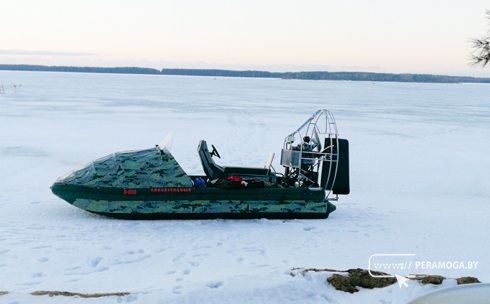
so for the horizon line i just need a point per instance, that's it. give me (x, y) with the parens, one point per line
(214, 69)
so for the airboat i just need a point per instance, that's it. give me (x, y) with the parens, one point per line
(150, 183)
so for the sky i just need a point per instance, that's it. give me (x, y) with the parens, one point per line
(386, 36)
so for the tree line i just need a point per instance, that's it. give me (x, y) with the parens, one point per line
(320, 75)
(44, 68)
(366, 76)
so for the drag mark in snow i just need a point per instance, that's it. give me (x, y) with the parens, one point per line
(133, 257)
(73, 268)
(178, 257)
(81, 295)
(95, 262)
(37, 275)
(309, 228)
(177, 289)
(215, 285)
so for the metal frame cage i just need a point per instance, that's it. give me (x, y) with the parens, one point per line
(311, 154)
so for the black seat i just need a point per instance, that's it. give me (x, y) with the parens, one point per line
(212, 170)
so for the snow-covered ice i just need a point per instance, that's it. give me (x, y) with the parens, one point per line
(419, 166)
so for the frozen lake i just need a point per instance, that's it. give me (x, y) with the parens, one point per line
(419, 167)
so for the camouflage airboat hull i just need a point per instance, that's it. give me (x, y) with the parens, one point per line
(207, 203)
(140, 210)
(150, 184)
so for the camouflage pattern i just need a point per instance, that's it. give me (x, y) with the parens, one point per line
(150, 184)
(133, 169)
(217, 208)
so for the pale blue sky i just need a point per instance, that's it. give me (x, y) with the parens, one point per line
(415, 36)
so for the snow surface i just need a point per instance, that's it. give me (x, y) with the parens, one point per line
(419, 167)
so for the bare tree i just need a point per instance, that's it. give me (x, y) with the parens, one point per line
(481, 46)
